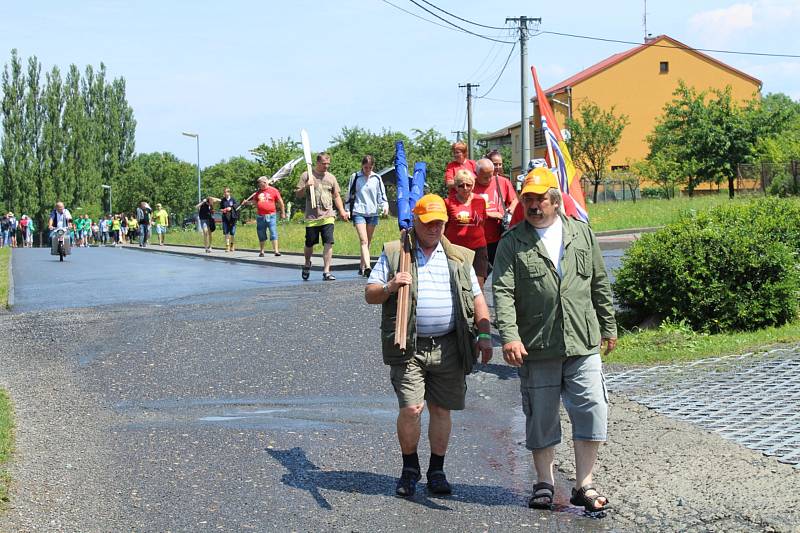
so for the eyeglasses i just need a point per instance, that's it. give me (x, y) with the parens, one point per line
(465, 185)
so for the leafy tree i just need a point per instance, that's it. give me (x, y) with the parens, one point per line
(157, 178)
(594, 137)
(778, 122)
(706, 135)
(14, 150)
(238, 173)
(52, 144)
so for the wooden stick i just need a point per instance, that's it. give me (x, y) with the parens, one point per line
(403, 294)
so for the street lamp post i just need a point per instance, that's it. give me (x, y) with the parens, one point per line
(110, 209)
(197, 138)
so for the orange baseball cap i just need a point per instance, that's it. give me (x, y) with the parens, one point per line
(430, 207)
(539, 180)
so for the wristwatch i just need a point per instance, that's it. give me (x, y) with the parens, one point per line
(386, 288)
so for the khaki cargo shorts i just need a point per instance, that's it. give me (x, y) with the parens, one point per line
(435, 375)
(579, 383)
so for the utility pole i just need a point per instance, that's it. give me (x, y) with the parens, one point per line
(458, 134)
(524, 126)
(469, 87)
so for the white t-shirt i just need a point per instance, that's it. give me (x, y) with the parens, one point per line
(553, 239)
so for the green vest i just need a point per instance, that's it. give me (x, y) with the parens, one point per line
(459, 262)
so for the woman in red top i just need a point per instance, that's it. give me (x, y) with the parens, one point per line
(466, 214)
(459, 162)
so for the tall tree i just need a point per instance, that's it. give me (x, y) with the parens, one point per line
(53, 142)
(34, 121)
(14, 150)
(594, 137)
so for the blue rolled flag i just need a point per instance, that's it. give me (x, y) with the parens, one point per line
(403, 188)
(408, 190)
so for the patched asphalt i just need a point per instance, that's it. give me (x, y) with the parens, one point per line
(195, 399)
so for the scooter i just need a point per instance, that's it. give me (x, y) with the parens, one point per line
(59, 243)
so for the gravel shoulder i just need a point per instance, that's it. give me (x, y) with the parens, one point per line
(270, 410)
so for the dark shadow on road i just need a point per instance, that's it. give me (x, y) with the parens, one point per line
(305, 475)
(501, 371)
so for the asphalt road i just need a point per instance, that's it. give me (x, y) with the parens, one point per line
(181, 394)
(163, 393)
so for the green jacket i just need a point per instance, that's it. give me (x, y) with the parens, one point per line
(459, 261)
(552, 317)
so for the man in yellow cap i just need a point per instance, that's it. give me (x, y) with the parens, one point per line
(554, 312)
(442, 323)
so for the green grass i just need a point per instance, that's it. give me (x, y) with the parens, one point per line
(6, 443)
(654, 212)
(677, 342)
(605, 217)
(291, 237)
(5, 257)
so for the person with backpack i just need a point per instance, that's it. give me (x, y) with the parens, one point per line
(207, 224)
(367, 200)
(230, 215)
(143, 213)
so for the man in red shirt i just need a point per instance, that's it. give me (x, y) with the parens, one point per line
(265, 199)
(500, 197)
(459, 161)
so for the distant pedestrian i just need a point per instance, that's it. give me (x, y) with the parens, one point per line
(459, 162)
(161, 220)
(26, 230)
(5, 228)
(207, 225)
(267, 199)
(123, 228)
(320, 220)
(230, 215)
(366, 200)
(116, 229)
(143, 215)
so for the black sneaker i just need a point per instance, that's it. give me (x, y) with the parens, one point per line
(407, 484)
(305, 272)
(437, 483)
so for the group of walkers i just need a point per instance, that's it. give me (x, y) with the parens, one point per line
(11, 229)
(109, 230)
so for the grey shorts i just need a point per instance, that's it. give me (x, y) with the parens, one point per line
(580, 383)
(435, 375)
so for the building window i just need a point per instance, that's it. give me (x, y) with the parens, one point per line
(663, 67)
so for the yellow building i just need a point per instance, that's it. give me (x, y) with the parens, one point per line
(637, 83)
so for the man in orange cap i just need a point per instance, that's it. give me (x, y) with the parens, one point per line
(554, 312)
(446, 309)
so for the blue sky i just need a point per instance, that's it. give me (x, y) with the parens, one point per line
(242, 72)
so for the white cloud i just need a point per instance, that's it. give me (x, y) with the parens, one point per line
(717, 26)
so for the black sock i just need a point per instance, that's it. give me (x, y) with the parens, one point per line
(436, 463)
(411, 461)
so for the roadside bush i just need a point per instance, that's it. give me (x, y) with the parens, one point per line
(784, 184)
(653, 192)
(730, 268)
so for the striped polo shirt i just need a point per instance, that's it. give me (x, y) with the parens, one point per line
(435, 316)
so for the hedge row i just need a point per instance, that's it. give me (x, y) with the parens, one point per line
(733, 267)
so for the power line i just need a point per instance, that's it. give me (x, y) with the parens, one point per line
(465, 20)
(681, 47)
(501, 71)
(499, 100)
(456, 25)
(418, 16)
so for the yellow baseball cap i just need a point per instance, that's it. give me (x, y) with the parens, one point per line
(430, 207)
(538, 181)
